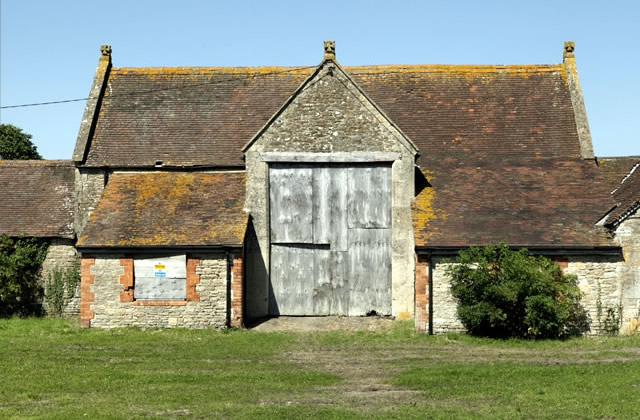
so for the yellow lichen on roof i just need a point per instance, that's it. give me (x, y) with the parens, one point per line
(168, 208)
(165, 72)
(35, 162)
(424, 213)
(468, 72)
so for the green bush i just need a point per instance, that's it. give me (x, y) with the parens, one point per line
(504, 293)
(20, 286)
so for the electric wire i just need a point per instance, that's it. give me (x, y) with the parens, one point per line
(186, 86)
(143, 92)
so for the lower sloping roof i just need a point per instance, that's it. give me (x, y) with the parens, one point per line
(626, 195)
(551, 203)
(169, 209)
(614, 169)
(36, 198)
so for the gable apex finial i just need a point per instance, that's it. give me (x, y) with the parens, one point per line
(329, 50)
(569, 46)
(105, 50)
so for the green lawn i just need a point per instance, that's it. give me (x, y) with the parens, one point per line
(54, 369)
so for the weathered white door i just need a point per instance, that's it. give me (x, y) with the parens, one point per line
(330, 239)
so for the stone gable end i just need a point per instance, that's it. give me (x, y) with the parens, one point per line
(329, 119)
(330, 114)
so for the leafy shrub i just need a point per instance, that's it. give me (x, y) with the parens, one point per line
(611, 324)
(505, 293)
(61, 288)
(20, 287)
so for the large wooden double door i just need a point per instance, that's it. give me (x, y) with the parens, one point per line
(330, 239)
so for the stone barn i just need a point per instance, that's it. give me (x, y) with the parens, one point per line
(209, 196)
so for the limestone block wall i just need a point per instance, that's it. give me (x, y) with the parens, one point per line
(107, 304)
(606, 281)
(628, 236)
(599, 280)
(63, 256)
(445, 313)
(89, 186)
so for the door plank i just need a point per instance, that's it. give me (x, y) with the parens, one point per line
(292, 279)
(329, 207)
(369, 197)
(370, 271)
(291, 191)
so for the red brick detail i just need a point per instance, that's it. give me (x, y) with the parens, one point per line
(422, 293)
(126, 280)
(237, 292)
(86, 297)
(160, 303)
(193, 279)
(563, 262)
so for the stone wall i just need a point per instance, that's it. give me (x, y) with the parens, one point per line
(445, 313)
(606, 281)
(89, 188)
(331, 115)
(628, 236)
(599, 279)
(62, 255)
(104, 307)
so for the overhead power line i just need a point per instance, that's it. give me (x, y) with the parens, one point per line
(215, 82)
(141, 92)
(44, 103)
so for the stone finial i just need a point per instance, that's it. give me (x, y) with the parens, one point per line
(569, 46)
(329, 50)
(105, 50)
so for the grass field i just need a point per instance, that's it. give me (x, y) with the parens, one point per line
(54, 369)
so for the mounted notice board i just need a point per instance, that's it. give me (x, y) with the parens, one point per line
(160, 278)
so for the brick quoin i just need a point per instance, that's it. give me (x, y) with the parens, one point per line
(563, 262)
(193, 279)
(237, 292)
(86, 297)
(422, 293)
(126, 280)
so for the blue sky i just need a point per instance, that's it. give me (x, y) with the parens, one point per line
(49, 49)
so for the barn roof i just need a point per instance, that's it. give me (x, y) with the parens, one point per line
(36, 198)
(532, 202)
(192, 116)
(626, 195)
(503, 146)
(615, 169)
(168, 209)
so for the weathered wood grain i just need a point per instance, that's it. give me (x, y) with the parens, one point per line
(291, 193)
(369, 195)
(331, 239)
(292, 273)
(329, 207)
(369, 271)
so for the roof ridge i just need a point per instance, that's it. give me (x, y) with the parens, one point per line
(36, 162)
(470, 66)
(378, 67)
(208, 69)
